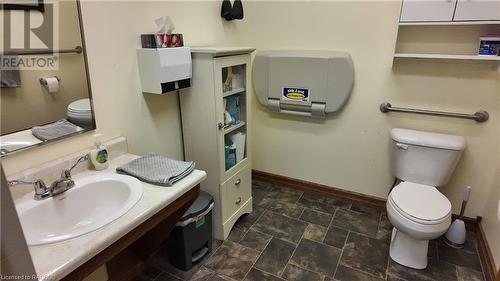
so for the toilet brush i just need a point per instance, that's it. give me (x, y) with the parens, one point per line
(455, 236)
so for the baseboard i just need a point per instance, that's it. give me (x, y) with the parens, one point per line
(485, 255)
(472, 224)
(319, 188)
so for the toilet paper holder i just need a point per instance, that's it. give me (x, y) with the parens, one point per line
(43, 82)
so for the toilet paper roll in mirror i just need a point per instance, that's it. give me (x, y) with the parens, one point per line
(51, 83)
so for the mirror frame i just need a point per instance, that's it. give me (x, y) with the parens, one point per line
(87, 73)
(39, 6)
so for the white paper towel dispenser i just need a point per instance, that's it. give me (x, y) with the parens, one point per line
(308, 83)
(164, 70)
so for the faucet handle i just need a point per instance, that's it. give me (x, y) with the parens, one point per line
(18, 182)
(66, 173)
(41, 190)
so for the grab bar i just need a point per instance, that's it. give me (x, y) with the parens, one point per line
(77, 50)
(479, 116)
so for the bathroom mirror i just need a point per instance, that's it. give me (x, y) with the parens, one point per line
(45, 92)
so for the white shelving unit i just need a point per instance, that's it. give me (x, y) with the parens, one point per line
(422, 20)
(232, 128)
(449, 23)
(449, 11)
(207, 138)
(233, 92)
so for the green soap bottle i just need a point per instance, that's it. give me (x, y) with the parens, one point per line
(99, 155)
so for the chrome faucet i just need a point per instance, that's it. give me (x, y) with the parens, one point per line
(57, 187)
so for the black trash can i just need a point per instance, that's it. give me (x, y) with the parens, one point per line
(191, 238)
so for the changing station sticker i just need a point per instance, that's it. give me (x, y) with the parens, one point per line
(295, 94)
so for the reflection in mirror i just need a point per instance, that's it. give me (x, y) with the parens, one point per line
(45, 91)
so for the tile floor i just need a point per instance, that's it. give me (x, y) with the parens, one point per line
(292, 235)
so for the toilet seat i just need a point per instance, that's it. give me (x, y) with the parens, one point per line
(79, 112)
(420, 203)
(80, 106)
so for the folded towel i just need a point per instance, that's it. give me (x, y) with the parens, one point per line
(157, 169)
(9, 78)
(55, 130)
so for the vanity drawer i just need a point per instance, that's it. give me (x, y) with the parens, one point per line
(236, 191)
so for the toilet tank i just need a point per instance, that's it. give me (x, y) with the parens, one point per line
(424, 157)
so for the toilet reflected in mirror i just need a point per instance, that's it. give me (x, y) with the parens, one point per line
(80, 113)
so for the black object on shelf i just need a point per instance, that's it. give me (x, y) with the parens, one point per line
(191, 239)
(232, 12)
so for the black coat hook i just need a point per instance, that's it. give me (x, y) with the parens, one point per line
(232, 11)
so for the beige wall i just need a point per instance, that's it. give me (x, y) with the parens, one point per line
(31, 97)
(349, 149)
(150, 122)
(491, 223)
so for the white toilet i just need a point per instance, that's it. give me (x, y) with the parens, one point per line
(416, 209)
(79, 113)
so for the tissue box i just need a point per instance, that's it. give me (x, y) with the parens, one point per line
(489, 46)
(162, 40)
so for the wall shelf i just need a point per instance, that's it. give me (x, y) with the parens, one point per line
(233, 92)
(450, 58)
(458, 23)
(232, 128)
(446, 57)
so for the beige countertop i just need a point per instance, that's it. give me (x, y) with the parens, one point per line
(54, 261)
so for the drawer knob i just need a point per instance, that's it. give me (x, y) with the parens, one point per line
(238, 201)
(238, 181)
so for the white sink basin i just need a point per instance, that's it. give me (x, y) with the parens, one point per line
(93, 202)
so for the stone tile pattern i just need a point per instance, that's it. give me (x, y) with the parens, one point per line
(297, 236)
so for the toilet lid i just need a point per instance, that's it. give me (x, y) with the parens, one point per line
(422, 202)
(79, 105)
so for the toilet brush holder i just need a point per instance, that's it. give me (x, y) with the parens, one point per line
(456, 234)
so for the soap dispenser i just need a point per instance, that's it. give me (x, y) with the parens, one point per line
(99, 155)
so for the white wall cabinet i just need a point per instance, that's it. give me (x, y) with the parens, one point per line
(427, 10)
(209, 137)
(442, 11)
(468, 10)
